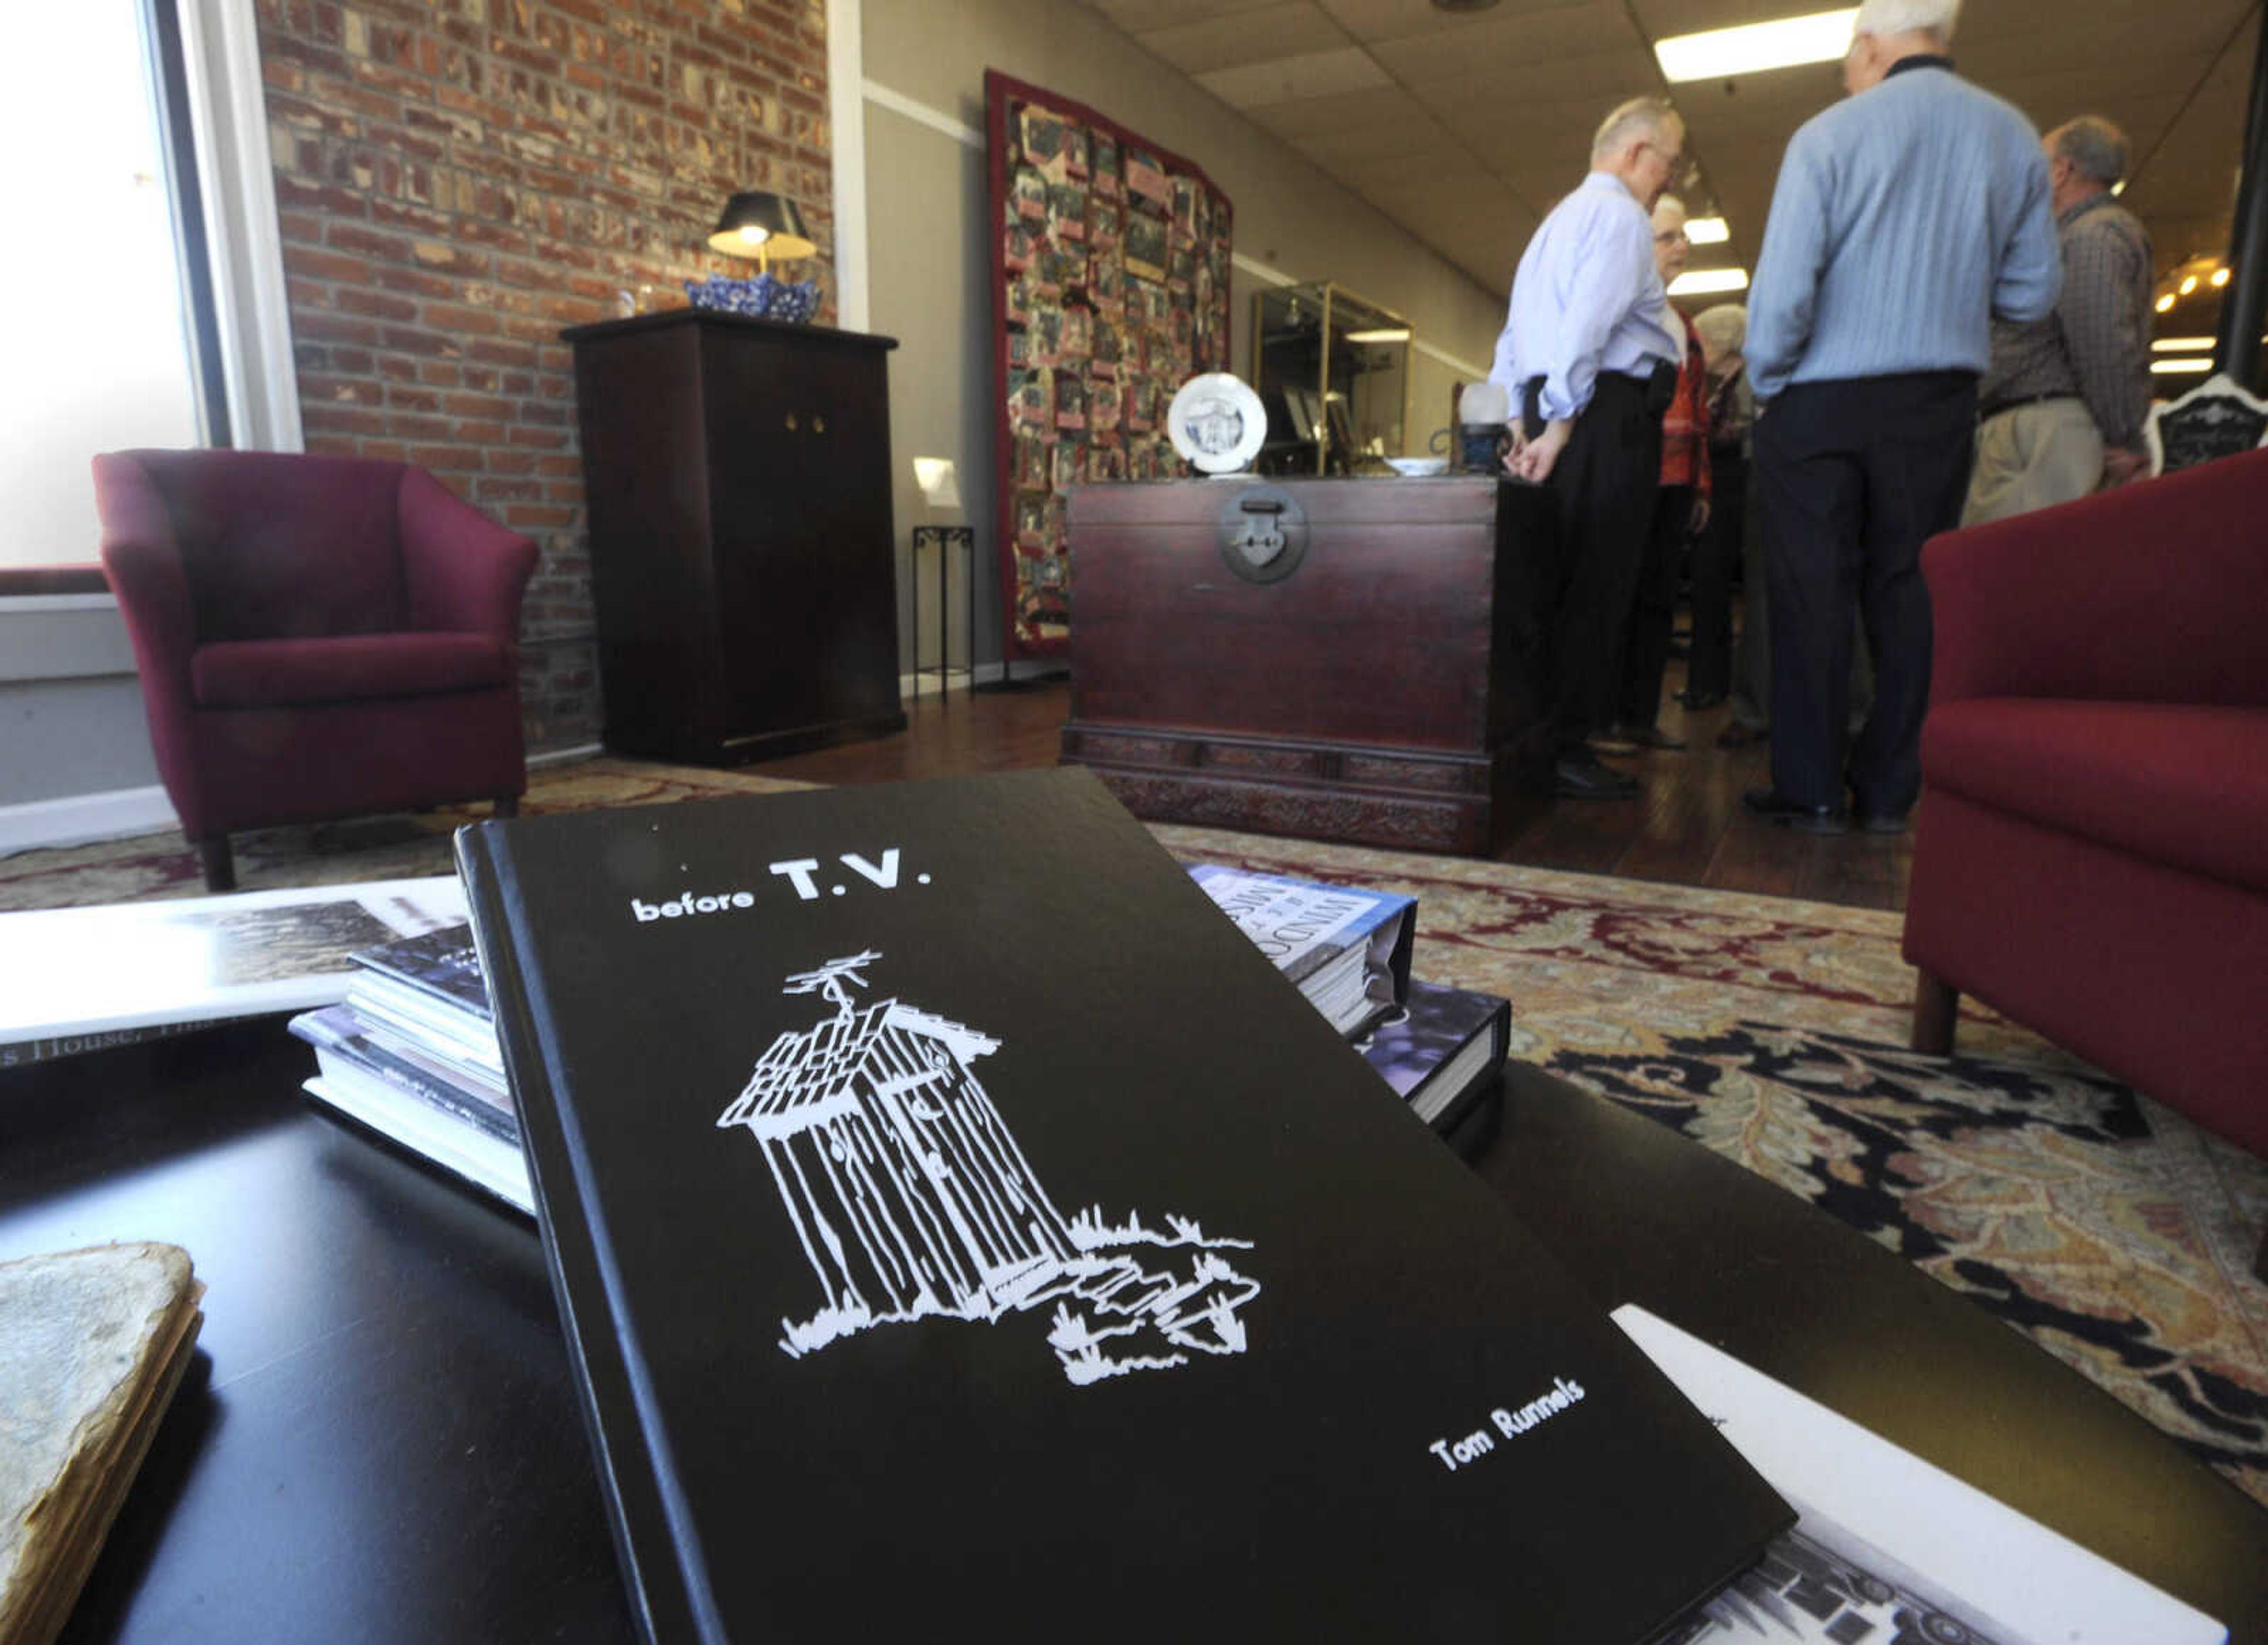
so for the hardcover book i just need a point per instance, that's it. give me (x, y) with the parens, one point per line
(79, 979)
(1347, 947)
(442, 963)
(957, 1226)
(1886, 1546)
(93, 1344)
(1441, 1050)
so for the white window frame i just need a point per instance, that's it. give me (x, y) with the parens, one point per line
(228, 123)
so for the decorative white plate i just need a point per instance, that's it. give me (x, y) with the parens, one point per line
(1217, 422)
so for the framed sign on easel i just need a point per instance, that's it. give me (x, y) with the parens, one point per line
(1110, 277)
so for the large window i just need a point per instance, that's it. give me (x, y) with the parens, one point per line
(103, 317)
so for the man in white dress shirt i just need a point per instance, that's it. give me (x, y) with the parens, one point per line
(1589, 356)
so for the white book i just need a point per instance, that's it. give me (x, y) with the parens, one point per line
(1880, 1532)
(70, 975)
(450, 1142)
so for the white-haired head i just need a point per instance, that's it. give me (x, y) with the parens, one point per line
(1641, 119)
(1882, 18)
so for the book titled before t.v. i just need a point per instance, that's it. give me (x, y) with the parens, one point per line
(960, 1231)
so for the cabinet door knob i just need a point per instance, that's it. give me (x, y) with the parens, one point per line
(791, 423)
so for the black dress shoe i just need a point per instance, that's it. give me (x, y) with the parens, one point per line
(1579, 779)
(1775, 807)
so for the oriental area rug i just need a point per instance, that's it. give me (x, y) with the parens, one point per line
(2113, 1232)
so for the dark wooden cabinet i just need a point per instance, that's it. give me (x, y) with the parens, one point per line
(1380, 682)
(743, 567)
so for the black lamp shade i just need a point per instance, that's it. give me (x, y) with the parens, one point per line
(757, 224)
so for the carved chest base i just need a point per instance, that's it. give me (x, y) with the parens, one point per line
(1461, 803)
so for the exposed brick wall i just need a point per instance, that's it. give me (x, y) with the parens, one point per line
(457, 180)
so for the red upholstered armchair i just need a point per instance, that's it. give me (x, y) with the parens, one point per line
(317, 637)
(2091, 854)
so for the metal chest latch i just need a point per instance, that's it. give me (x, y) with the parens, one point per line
(1263, 533)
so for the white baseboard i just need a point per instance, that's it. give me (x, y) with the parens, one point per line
(121, 813)
(984, 674)
(565, 756)
(83, 818)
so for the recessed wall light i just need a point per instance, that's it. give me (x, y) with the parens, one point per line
(2181, 345)
(1720, 54)
(2180, 368)
(1701, 281)
(1708, 231)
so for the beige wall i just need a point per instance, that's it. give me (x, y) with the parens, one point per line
(926, 217)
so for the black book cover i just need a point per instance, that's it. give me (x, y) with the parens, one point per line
(1441, 1049)
(443, 964)
(958, 1227)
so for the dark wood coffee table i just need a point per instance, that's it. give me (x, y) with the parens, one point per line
(380, 1440)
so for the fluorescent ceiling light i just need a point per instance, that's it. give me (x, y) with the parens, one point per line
(2180, 368)
(1700, 281)
(1708, 231)
(2181, 345)
(1390, 333)
(1720, 54)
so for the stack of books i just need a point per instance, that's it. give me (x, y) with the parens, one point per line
(412, 1055)
(994, 1207)
(1349, 950)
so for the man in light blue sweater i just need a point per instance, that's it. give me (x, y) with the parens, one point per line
(1905, 218)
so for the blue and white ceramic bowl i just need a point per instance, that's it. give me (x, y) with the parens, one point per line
(766, 297)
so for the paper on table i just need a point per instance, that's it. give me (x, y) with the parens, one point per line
(1897, 1530)
(66, 971)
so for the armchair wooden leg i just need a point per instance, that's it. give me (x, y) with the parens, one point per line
(507, 805)
(219, 865)
(1937, 1005)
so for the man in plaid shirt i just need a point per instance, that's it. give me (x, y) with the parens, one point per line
(2063, 404)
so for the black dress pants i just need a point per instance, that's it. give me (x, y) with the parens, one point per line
(1854, 475)
(1604, 482)
(1716, 556)
(1653, 610)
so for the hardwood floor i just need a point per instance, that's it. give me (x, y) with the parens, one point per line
(1687, 827)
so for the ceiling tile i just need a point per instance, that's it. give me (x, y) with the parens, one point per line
(1244, 37)
(1602, 79)
(1520, 45)
(1288, 79)
(1377, 109)
(1140, 16)
(1373, 20)
(1344, 152)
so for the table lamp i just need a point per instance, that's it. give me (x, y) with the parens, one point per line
(758, 224)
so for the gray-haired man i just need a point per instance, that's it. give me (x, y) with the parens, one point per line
(1588, 358)
(2064, 399)
(1906, 218)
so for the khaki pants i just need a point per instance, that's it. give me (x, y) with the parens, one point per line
(2031, 457)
